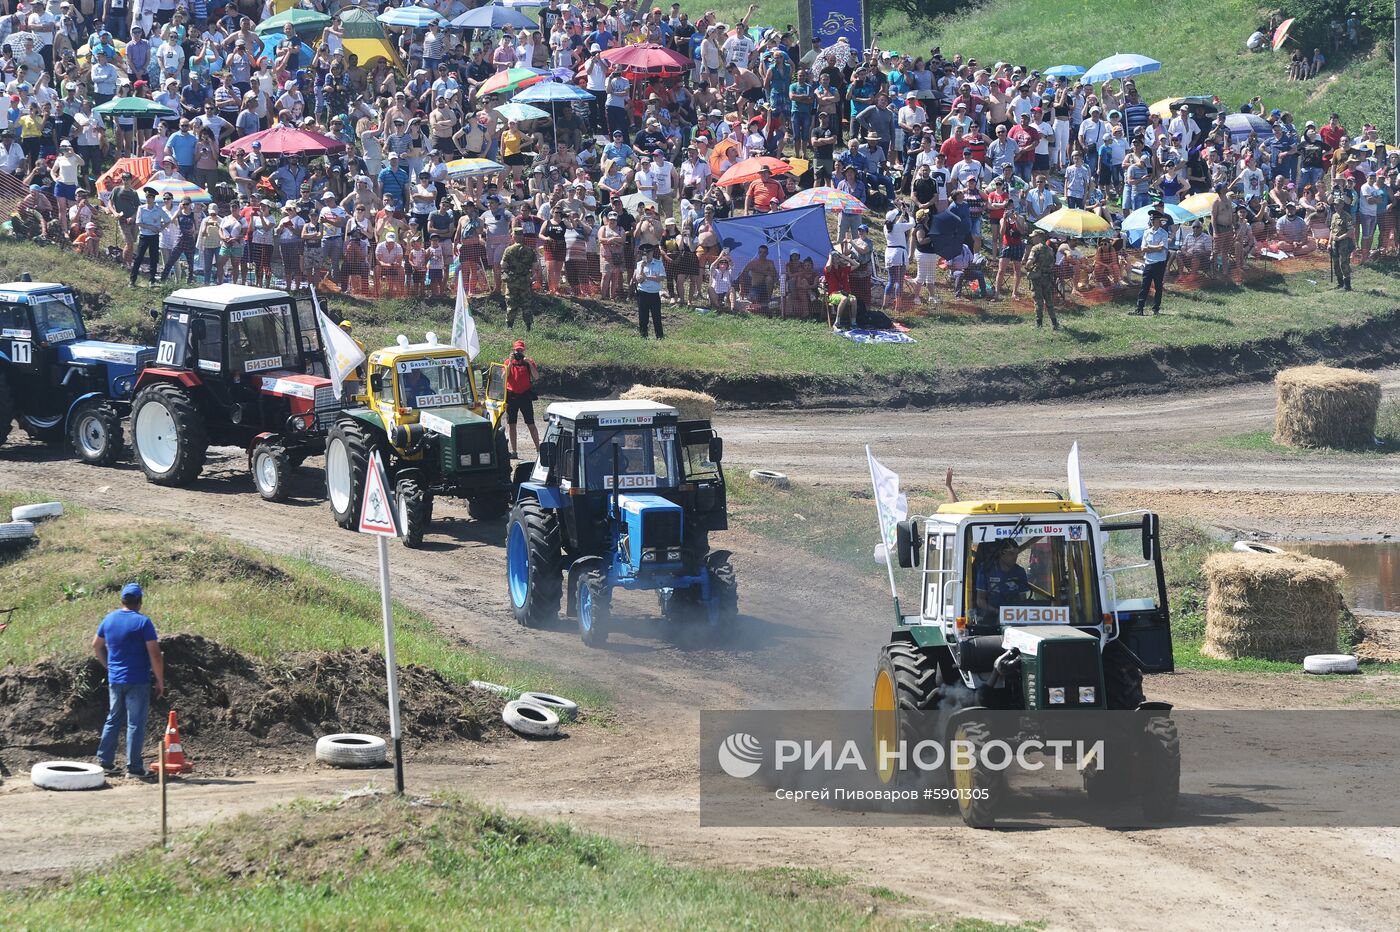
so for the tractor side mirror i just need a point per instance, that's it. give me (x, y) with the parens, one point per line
(546, 454)
(376, 384)
(1150, 527)
(906, 542)
(716, 450)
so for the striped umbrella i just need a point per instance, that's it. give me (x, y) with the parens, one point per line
(509, 81)
(472, 168)
(1079, 224)
(833, 200)
(179, 189)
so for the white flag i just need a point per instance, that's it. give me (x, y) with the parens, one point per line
(464, 334)
(1077, 491)
(343, 354)
(891, 504)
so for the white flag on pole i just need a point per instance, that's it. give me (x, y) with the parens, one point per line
(343, 354)
(1077, 492)
(891, 506)
(464, 335)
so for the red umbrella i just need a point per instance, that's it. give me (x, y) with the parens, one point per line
(1281, 34)
(648, 58)
(747, 170)
(285, 140)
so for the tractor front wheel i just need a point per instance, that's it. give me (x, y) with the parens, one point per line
(978, 787)
(532, 564)
(1160, 767)
(47, 428)
(594, 606)
(724, 592)
(347, 463)
(415, 505)
(1122, 678)
(271, 471)
(96, 432)
(169, 434)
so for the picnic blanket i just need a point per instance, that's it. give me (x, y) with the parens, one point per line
(877, 336)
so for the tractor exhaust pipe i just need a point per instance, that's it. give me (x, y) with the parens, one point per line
(1002, 665)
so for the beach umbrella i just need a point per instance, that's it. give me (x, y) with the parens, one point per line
(1119, 66)
(521, 112)
(747, 170)
(1281, 34)
(837, 202)
(1079, 224)
(301, 21)
(271, 43)
(726, 150)
(133, 106)
(494, 16)
(1199, 205)
(15, 41)
(472, 168)
(548, 92)
(635, 202)
(1137, 222)
(1242, 124)
(648, 59)
(1064, 71)
(286, 140)
(179, 188)
(411, 17)
(509, 81)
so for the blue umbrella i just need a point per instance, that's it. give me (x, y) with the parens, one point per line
(1136, 223)
(522, 112)
(1064, 71)
(269, 49)
(551, 92)
(1120, 66)
(411, 17)
(494, 16)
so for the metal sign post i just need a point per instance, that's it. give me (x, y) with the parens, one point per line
(377, 518)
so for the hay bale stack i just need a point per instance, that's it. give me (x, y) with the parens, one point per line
(1275, 606)
(1319, 406)
(693, 406)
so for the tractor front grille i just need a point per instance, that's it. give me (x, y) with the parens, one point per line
(326, 401)
(1069, 664)
(661, 528)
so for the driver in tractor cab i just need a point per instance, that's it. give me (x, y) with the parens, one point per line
(416, 385)
(1001, 581)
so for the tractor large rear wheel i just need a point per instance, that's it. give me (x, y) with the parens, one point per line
(415, 505)
(905, 702)
(45, 427)
(96, 432)
(347, 462)
(533, 573)
(7, 408)
(169, 434)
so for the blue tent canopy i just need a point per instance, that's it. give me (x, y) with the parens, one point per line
(269, 49)
(801, 231)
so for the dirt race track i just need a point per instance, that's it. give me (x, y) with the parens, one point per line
(809, 637)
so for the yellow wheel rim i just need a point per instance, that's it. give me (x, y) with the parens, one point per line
(886, 725)
(962, 779)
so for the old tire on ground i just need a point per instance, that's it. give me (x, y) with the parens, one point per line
(46, 427)
(7, 408)
(169, 435)
(486, 687)
(979, 787)
(351, 750)
(1159, 768)
(1122, 678)
(1253, 546)
(906, 697)
(415, 508)
(36, 512)
(95, 430)
(347, 463)
(528, 719)
(594, 601)
(770, 477)
(488, 506)
(533, 575)
(67, 775)
(566, 709)
(1329, 663)
(271, 471)
(16, 532)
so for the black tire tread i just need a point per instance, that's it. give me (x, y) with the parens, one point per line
(546, 583)
(1161, 769)
(1122, 678)
(189, 427)
(416, 506)
(981, 813)
(357, 449)
(278, 493)
(595, 580)
(111, 422)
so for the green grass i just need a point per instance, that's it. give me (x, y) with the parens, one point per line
(572, 336)
(1262, 441)
(379, 863)
(196, 583)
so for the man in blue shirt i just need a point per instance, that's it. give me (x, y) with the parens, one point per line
(1154, 261)
(1002, 581)
(182, 144)
(126, 646)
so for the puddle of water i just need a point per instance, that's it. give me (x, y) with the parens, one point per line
(1373, 571)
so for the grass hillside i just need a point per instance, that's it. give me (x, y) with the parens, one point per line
(1200, 44)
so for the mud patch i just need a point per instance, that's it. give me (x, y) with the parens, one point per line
(230, 705)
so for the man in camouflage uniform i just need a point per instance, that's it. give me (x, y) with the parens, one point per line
(518, 266)
(1342, 240)
(1040, 269)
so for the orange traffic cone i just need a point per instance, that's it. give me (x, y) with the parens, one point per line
(173, 751)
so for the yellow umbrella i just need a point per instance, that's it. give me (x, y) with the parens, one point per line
(1080, 224)
(1162, 108)
(1199, 205)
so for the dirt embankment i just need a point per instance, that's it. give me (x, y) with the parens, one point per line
(230, 704)
(1372, 344)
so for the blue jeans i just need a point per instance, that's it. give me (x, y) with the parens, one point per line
(129, 703)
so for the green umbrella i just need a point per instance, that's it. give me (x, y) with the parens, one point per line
(360, 24)
(133, 106)
(302, 21)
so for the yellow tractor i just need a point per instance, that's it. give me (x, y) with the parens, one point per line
(438, 428)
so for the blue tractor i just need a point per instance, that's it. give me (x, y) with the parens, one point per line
(624, 494)
(54, 381)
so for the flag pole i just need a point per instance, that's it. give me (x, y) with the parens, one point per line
(880, 519)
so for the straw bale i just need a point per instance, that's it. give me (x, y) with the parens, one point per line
(1320, 406)
(693, 406)
(1276, 606)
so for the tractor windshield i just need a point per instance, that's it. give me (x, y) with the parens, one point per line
(1031, 573)
(645, 457)
(56, 318)
(434, 383)
(262, 338)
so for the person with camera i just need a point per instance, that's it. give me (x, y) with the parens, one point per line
(521, 375)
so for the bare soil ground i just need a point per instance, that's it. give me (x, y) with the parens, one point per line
(809, 637)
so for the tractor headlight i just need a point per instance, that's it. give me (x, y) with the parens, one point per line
(464, 460)
(1057, 695)
(648, 556)
(674, 554)
(1087, 695)
(485, 459)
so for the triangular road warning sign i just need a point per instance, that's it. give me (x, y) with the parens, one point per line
(377, 507)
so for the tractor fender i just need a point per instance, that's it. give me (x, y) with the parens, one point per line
(253, 444)
(68, 418)
(718, 556)
(1150, 706)
(155, 374)
(577, 569)
(548, 496)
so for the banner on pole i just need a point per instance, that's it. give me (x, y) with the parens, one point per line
(837, 19)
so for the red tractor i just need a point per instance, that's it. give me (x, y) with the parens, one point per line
(232, 369)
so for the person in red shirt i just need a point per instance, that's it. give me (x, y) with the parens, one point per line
(952, 147)
(837, 277)
(521, 375)
(1026, 137)
(976, 146)
(1333, 132)
(763, 193)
